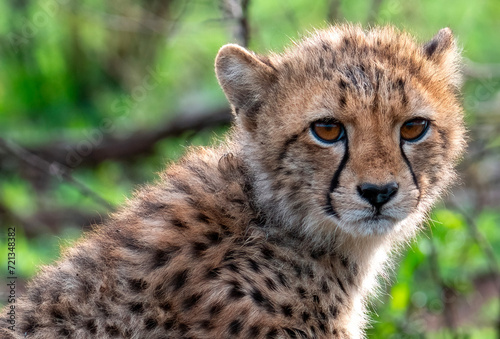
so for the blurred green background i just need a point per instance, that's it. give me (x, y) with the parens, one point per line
(96, 97)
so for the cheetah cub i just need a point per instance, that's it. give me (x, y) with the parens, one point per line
(339, 148)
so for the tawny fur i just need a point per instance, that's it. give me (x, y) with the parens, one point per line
(267, 235)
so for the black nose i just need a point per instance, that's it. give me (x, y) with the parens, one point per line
(378, 195)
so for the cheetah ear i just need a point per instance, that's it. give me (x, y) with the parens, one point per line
(442, 49)
(244, 77)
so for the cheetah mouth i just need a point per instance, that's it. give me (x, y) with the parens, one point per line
(378, 217)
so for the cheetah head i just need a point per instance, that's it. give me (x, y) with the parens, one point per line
(349, 131)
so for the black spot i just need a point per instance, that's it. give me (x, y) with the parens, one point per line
(56, 315)
(260, 300)
(287, 310)
(167, 325)
(112, 330)
(309, 271)
(339, 299)
(342, 84)
(282, 279)
(401, 88)
(291, 333)
(149, 208)
(191, 301)
(236, 291)
(316, 299)
(346, 42)
(166, 306)
(72, 312)
(322, 315)
(305, 316)
(138, 285)
(235, 327)
(213, 237)
(301, 333)
(254, 265)
(260, 221)
(103, 308)
(159, 292)
(201, 217)
(31, 325)
(233, 267)
(163, 257)
(199, 248)
(324, 287)
(180, 186)
(334, 311)
(342, 101)
(270, 284)
(313, 330)
(297, 268)
(179, 279)
(213, 273)
(136, 308)
(183, 328)
(322, 327)
(341, 285)
(317, 253)
(150, 324)
(272, 333)
(91, 326)
(253, 332)
(131, 244)
(229, 256)
(226, 229)
(35, 295)
(344, 261)
(206, 324)
(215, 310)
(257, 296)
(178, 223)
(302, 292)
(268, 253)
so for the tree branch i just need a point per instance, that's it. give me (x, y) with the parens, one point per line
(53, 169)
(476, 70)
(334, 11)
(237, 10)
(140, 142)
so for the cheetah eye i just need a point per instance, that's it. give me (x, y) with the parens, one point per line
(328, 131)
(414, 129)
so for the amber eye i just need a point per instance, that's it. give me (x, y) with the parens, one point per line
(328, 131)
(414, 129)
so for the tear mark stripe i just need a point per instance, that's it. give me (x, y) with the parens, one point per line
(414, 177)
(335, 181)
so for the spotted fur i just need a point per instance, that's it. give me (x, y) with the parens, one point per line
(267, 236)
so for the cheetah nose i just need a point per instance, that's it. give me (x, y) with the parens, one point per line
(377, 195)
